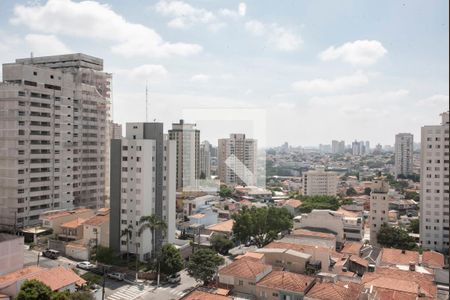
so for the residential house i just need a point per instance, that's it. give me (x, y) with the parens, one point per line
(339, 290)
(223, 228)
(287, 259)
(96, 229)
(394, 257)
(205, 295)
(284, 285)
(72, 230)
(312, 238)
(433, 259)
(54, 219)
(293, 206)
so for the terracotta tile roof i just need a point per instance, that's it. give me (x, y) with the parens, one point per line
(296, 247)
(352, 248)
(359, 260)
(433, 259)
(402, 281)
(97, 220)
(348, 213)
(292, 203)
(308, 233)
(201, 295)
(250, 254)
(386, 294)
(286, 281)
(399, 257)
(74, 223)
(225, 227)
(335, 291)
(57, 278)
(245, 267)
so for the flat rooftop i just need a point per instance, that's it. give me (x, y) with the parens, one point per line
(77, 60)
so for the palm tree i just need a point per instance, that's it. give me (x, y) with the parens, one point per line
(128, 232)
(153, 223)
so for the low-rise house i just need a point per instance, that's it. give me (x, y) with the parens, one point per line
(253, 193)
(404, 206)
(54, 219)
(293, 206)
(58, 279)
(339, 290)
(284, 285)
(372, 254)
(287, 259)
(96, 229)
(243, 274)
(72, 230)
(394, 257)
(393, 283)
(223, 228)
(190, 206)
(11, 253)
(433, 259)
(204, 216)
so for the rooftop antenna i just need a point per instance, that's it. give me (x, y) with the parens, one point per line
(31, 56)
(146, 101)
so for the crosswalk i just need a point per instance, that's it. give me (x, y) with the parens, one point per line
(132, 292)
(128, 292)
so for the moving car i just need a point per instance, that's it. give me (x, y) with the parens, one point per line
(85, 265)
(175, 278)
(50, 253)
(116, 275)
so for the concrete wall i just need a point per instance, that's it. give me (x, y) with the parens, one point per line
(11, 253)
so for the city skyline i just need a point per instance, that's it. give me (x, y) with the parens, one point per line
(358, 80)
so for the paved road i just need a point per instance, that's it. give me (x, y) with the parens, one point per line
(31, 258)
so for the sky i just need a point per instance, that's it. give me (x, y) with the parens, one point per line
(308, 72)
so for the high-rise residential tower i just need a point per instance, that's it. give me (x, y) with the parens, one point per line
(434, 186)
(54, 113)
(188, 153)
(404, 143)
(237, 157)
(205, 159)
(379, 207)
(143, 183)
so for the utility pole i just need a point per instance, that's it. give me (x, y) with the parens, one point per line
(103, 284)
(137, 255)
(39, 254)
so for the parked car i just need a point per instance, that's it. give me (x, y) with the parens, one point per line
(175, 278)
(85, 265)
(116, 275)
(50, 253)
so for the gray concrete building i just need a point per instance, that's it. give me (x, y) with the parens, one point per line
(404, 143)
(54, 113)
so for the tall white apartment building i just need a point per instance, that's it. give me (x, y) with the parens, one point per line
(205, 159)
(358, 148)
(143, 183)
(188, 153)
(404, 143)
(434, 190)
(379, 207)
(320, 183)
(54, 113)
(237, 156)
(337, 147)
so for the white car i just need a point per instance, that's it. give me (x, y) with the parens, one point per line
(116, 275)
(175, 278)
(85, 265)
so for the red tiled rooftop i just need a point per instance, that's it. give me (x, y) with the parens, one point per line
(201, 295)
(56, 215)
(352, 248)
(399, 257)
(292, 203)
(225, 227)
(57, 278)
(245, 267)
(97, 220)
(335, 291)
(74, 223)
(433, 259)
(359, 260)
(286, 281)
(308, 233)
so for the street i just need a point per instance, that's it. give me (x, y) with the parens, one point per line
(31, 258)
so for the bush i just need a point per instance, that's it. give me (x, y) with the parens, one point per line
(221, 244)
(92, 278)
(104, 255)
(319, 202)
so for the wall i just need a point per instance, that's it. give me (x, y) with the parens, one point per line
(11, 254)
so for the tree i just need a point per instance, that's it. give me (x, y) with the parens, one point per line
(104, 255)
(61, 296)
(351, 192)
(203, 265)
(318, 202)
(225, 191)
(221, 244)
(412, 195)
(414, 226)
(367, 191)
(153, 223)
(82, 295)
(170, 260)
(128, 232)
(262, 224)
(34, 290)
(393, 237)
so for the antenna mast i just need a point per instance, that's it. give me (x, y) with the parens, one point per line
(146, 101)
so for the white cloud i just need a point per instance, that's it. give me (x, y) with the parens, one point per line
(435, 100)
(145, 73)
(360, 52)
(242, 9)
(338, 84)
(277, 36)
(397, 94)
(42, 44)
(90, 19)
(201, 78)
(184, 14)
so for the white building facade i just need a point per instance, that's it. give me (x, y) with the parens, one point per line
(320, 183)
(434, 190)
(379, 207)
(54, 113)
(205, 159)
(404, 143)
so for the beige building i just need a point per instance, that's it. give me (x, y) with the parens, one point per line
(320, 183)
(404, 149)
(54, 113)
(379, 207)
(11, 253)
(55, 219)
(96, 229)
(205, 159)
(237, 158)
(434, 190)
(187, 140)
